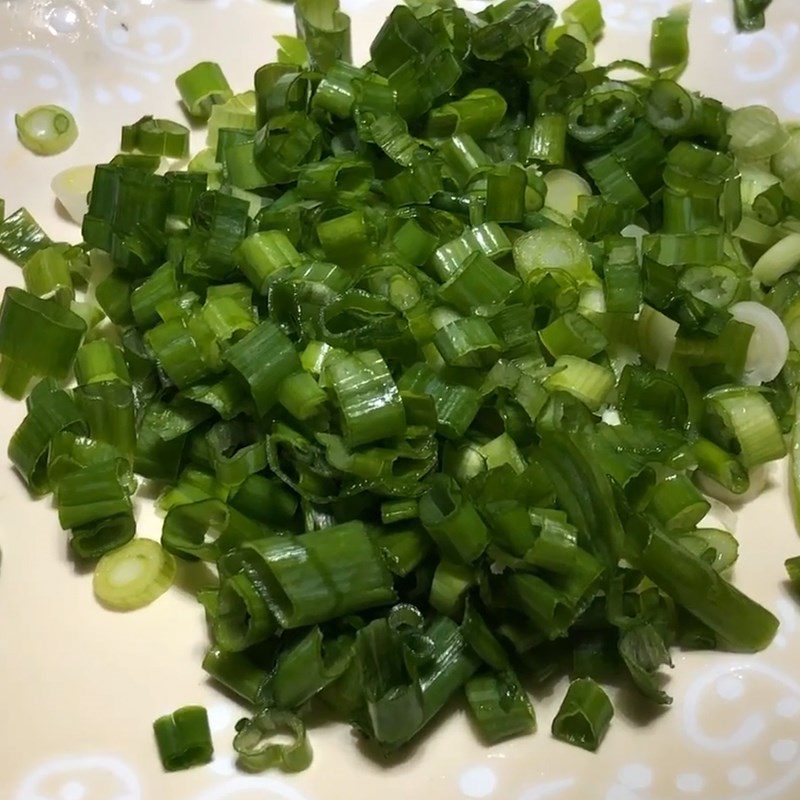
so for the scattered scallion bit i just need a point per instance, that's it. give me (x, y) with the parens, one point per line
(156, 137)
(584, 716)
(202, 87)
(500, 706)
(183, 738)
(133, 575)
(257, 751)
(46, 130)
(750, 14)
(21, 237)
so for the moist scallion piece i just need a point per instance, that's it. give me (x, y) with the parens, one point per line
(133, 575)
(434, 359)
(257, 751)
(183, 738)
(50, 411)
(37, 338)
(21, 237)
(46, 130)
(669, 44)
(500, 706)
(202, 87)
(584, 716)
(156, 137)
(749, 14)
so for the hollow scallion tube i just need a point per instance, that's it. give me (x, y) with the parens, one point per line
(452, 521)
(368, 398)
(743, 418)
(50, 411)
(741, 623)
(236, 672)
(257, 751)
(183, 738)
(156, 137)
(203, 86)
(500, 706)
(320, 575)
(584, 716)
(37, 337)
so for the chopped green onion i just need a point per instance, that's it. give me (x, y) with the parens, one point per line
(21, 237)
(236, 672)
(71, 187)
(584, 715)
(452, 521)
(755, 133)
(717, 546)
(743, 419)
(156, 137)
(588, 14)
(552, 250)
(476, 114)
(133, 575)
(677, 504)
(183, 738)
(325, 30)
(50, 411)
(782, 257)
(500, 706)
(461, 335)
(370, 403)
(749, 14)
(37, 338)
(741, 623)
(257, 750)
(669, 44)
(202, 87)
(46, 130)
(588, 382)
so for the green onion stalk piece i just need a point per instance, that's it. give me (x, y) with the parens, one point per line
(584, 716)
(133, 575)
(46, 130)
(183, 738)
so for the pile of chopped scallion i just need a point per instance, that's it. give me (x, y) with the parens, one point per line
(433, 360)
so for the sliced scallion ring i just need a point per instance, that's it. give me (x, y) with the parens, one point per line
(133, 575)
(769, 345)
(46, 130)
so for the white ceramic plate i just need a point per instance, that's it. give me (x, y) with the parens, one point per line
(79, 685)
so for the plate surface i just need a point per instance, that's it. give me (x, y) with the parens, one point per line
(79, 685)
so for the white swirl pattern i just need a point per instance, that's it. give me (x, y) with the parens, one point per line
(44, 75)
(758, 733)
(81, 778)
(157, 39)
(634, 16)
(252, 788)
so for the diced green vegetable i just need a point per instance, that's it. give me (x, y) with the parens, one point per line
(183, 738)
(430, 359)
(46, 130)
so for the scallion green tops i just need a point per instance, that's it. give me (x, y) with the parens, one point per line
(429, 357)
